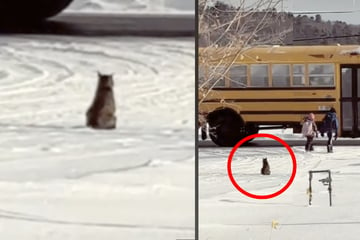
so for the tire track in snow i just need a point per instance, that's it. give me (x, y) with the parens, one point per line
(155, 82)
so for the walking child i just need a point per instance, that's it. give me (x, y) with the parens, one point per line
(330, 125)
(309, 130)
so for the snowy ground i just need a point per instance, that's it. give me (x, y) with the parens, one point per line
(136, 6)
(225, 213)
(60, 180)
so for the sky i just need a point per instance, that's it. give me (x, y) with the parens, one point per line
(323, 5)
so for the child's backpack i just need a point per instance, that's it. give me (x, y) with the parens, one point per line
(330, 121)
(307, 128)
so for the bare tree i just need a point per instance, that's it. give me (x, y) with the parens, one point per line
(225, 32)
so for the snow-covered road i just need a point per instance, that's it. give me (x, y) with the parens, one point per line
(60, 180)
(225, 213)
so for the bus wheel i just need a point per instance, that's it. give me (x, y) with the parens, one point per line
(225, 127)
(25, 11)
(251, 129)
(204, 132)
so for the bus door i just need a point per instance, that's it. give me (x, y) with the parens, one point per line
(350, 100)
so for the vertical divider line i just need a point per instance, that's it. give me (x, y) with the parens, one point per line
(196, 37)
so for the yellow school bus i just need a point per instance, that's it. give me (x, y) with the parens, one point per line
(276, 86)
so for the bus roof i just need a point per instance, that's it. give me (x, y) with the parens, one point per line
(285, 54)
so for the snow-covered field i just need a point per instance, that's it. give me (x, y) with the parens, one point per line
(136, 6)
(225, 213)
(60, 180)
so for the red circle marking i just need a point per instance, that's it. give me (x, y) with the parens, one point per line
(267, 136)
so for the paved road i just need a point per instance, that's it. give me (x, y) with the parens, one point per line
(271, 143)
(90, 24)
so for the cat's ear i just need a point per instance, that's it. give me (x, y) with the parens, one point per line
(99, 73)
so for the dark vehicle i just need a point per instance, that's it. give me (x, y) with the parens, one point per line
(25, 11)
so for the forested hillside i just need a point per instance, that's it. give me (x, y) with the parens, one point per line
(275, 28)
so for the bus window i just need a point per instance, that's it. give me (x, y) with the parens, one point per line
(211, 77)
(346, 82)
(259, 75)
(299, 75)
(321, 74)
(217, 77)
(347, 116)
(238, 76)
(201, 76)
(280, 75)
